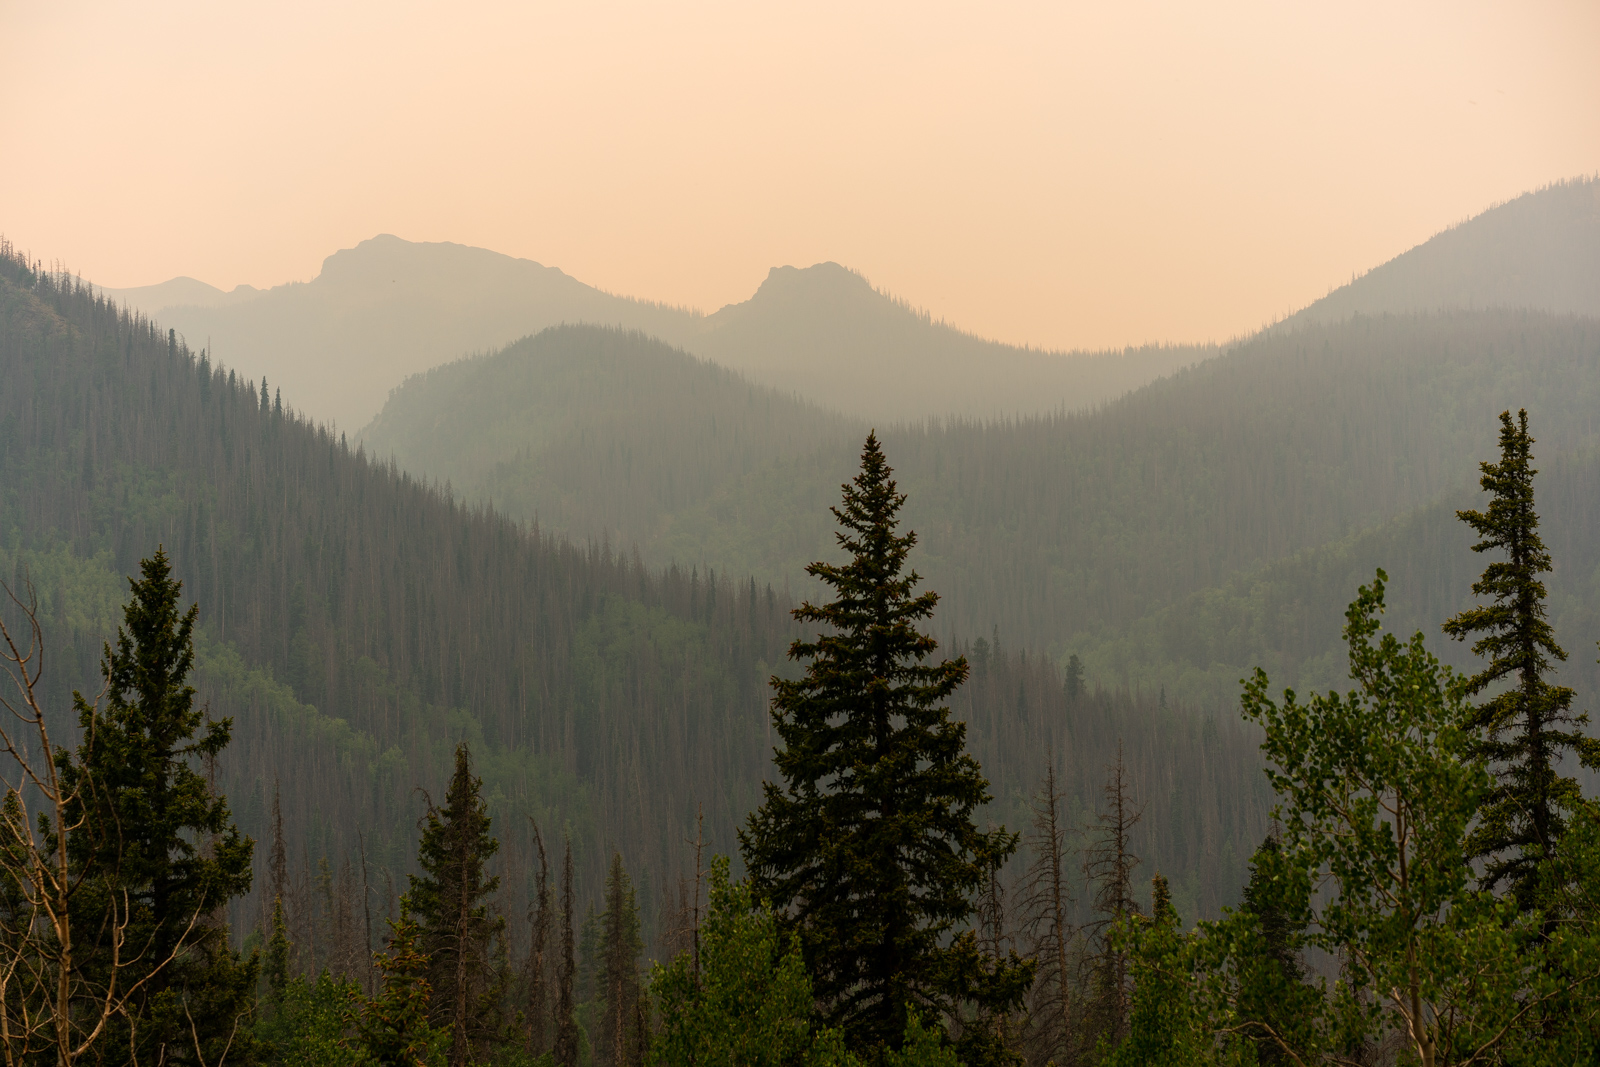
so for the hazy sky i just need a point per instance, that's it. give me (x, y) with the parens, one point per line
(1059, 173)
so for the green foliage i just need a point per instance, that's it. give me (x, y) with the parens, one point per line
(277, 962)
(869, 851)
(921, 1046)
(1274, 1001)
(1379, 788)
(1523, 731)
(311, 1026)
(1165, 1023)
(750, 1005)
(450, 902)
(394, 1029)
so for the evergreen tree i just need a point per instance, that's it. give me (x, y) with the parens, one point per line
(566, 1046)
(1074, 678)
(1525, 730)
(394, 1029)
(1165, 1025)
(176, 857)
(277, 962)
(868, 850)
(619, 1042)
(1271, 989)
(451, 904)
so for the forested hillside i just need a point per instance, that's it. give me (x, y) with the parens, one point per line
(593, 431)
(357, 624)
(1072, 532)
(1285, 616)
(826, 334)
(1541, 251)
(385, 309)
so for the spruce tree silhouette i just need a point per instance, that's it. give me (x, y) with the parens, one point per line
(868, 850)
(1524, 730)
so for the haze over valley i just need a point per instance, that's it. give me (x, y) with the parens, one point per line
(829, 539)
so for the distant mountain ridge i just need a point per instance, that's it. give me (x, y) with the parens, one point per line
(391, 308)
(1539, 251)
(388, 308)
(826, 334)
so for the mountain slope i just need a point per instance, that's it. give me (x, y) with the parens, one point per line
(1065, 529)
(1541, 251)
(357, 624)
(1286, 617)
(593, 432)
(826, 334)
(389, 308)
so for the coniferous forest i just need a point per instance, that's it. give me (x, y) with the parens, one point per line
(1236, 721)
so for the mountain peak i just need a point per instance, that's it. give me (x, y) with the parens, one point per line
(820, 281)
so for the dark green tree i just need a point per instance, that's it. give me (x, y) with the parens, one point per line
(277, 961)
(868, 850)
(1074, 678)
(175, 857)
(1272, 994)
(619, 1042)
(394, 1030)
(1525, 730)
(450, 901)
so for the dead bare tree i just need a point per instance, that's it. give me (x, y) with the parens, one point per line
(538, 965)
(1108, 868)
(50, 1003)
(1047, 931)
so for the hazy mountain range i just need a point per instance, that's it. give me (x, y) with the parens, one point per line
(389, 308)
(360, 622)
(1071, 532)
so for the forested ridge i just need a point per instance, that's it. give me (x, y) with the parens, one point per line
(1069, 532)
(517, 753)
(357, 623)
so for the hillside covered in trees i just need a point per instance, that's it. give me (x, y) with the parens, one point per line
(1071, 533)
(357, 624)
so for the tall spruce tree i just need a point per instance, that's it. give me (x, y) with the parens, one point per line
(1525, 730)
(451, 902)
(868, 850)
(175, 859)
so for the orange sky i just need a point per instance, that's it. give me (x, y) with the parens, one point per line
(1056, 173)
